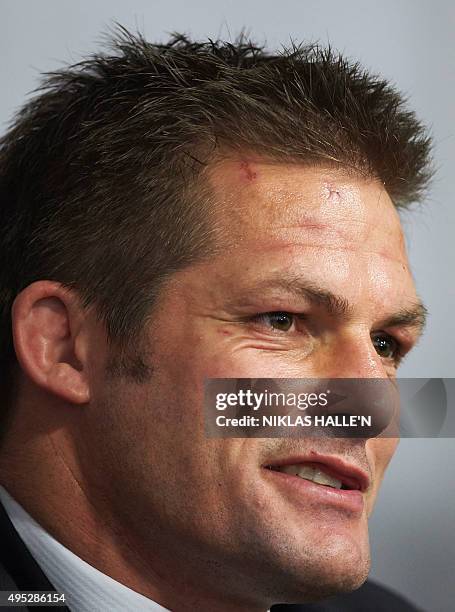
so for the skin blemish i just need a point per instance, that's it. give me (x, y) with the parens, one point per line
(247, 172)
(331, 194)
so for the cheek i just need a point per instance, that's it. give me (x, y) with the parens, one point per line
(240, 361)
(221, 351)
(379, 453)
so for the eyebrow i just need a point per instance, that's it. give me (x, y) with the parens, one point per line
(413, 316)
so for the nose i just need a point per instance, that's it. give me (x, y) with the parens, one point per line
(352, 355)
(360, 382)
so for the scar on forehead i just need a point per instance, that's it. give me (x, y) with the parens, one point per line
(247, 171)
(332, 194)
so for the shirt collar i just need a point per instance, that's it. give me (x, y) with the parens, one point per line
(85, 588)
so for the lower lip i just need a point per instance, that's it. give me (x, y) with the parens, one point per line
(346, 500)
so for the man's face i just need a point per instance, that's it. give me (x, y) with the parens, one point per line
(210, 504)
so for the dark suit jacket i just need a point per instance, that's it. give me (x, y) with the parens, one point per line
(20, 572)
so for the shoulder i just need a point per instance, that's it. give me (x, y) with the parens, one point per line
(371, 596)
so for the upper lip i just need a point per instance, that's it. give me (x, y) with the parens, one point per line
(350, 475)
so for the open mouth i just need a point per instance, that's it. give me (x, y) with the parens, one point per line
(330, 473)
(314, 474)
(326, 480)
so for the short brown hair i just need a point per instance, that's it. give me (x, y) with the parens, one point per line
(98, 172)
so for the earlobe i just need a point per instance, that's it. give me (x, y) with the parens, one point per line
(48, 333)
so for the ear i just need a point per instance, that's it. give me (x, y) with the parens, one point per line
(50, 340)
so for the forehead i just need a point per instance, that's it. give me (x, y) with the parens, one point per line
(325, 225)
(266, 201)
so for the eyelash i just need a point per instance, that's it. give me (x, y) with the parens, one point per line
(260, 318)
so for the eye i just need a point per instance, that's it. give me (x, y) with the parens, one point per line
(386, 346)
(281, 321)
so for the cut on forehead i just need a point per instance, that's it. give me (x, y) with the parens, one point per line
(265, 193)
(235, 173)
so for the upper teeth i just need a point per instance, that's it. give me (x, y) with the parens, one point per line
(313, 474)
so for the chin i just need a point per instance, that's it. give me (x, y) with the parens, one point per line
(316, 585)
(335, 580)
(304, 574)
